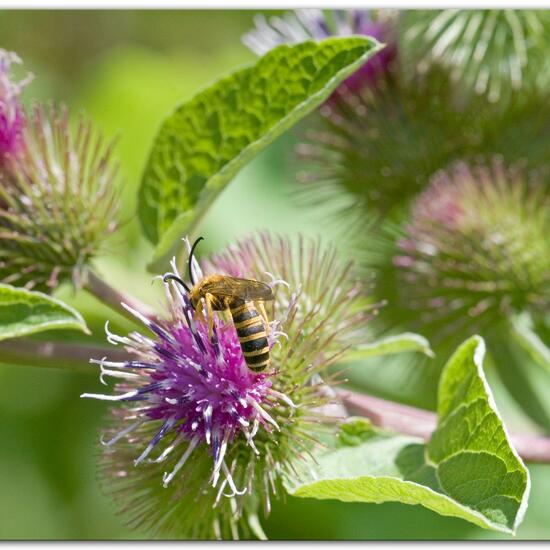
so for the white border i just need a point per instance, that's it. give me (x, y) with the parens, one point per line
(257, 5)
(272, 4)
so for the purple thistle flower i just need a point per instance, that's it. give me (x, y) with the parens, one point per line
(307, 24)
(12, 118)
(199, 440)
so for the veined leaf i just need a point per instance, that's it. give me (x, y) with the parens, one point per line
(399, 343)
(208, 139)
(468, 469)
(24, 312)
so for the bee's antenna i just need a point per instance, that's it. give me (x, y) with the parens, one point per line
(191, 258)
(172, 277)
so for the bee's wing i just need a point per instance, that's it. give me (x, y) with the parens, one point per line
(246, 289)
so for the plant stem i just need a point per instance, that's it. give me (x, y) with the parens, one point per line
(111, 297)
(421, 423)
(74, 356)
(532, 448)
(390, 415)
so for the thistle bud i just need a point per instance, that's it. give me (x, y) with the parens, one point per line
(197, 441)
(494, 52)
(379, 149)
(57, 201)
(476, 250)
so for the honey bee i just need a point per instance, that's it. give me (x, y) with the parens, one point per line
(244, 299)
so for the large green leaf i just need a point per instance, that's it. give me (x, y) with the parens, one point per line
(468, 469)
(24, 312)
(208, 139)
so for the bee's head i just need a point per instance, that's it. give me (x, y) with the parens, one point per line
(194, 298)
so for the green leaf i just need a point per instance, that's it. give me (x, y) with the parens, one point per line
(522, 329)
(521, 377)
(354, 431)
(399, 343)
(382, 369)
(409, 378)
(24, 312)
(468, 469)
(208, 139)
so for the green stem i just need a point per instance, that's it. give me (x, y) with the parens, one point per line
(61, 355)
(421, 423)
(113, 298)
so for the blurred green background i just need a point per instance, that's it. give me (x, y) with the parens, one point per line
(127, 70)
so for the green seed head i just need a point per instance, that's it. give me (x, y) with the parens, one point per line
(57, 202)
(475, 251)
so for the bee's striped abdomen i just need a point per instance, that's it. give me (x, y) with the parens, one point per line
(252, 334)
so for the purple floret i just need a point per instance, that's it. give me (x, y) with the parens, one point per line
(379, 64)
(12, 119)
(211, 390)
(198, 387)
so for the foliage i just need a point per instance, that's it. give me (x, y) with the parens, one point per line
(468, 469)
(205, 142)
(24, 312)
(523, 331)
(401, 343)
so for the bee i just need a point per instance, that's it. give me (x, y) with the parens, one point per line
(244, 299)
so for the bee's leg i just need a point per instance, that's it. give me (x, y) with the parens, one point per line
(261, 308)
(199, 314)
(210, 313)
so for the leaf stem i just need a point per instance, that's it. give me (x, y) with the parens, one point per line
(69, 356)
(421, 423)
(113, 298)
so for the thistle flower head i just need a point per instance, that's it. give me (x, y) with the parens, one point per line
(381, 148)
(197, 440)
(307, 24)
(476, 249)
(12, 119)
(489, 52)
(57, 202)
